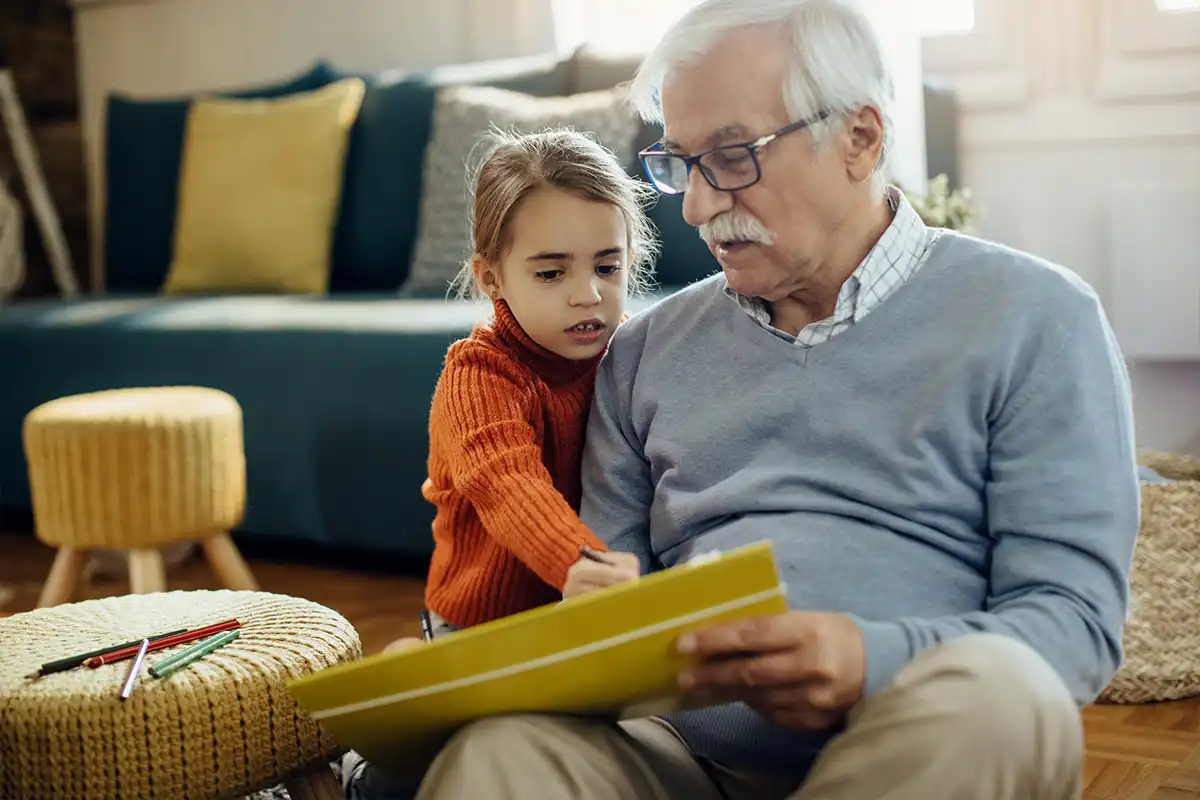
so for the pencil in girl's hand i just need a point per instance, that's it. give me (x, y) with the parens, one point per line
(159, 644)
(592, 555)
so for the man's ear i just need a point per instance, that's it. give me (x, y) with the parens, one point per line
(487, 276)
(864, 138)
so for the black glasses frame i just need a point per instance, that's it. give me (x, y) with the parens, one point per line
(751, 148)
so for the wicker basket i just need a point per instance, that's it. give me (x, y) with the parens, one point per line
(1162, 634)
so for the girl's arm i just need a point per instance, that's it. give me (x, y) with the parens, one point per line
(497, 464)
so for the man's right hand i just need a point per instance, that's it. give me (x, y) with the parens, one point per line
(586, 575)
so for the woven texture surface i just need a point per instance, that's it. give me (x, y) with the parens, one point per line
(136, 467)
(1162, 635)
(225, 726)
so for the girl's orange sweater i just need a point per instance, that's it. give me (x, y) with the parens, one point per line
(505, 441)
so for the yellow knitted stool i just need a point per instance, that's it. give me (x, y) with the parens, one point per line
(136, 469)
(225, 726)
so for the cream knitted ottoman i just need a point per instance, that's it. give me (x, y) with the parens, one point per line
(224, 726)
(136, 469)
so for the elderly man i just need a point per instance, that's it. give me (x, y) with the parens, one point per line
(934, 431)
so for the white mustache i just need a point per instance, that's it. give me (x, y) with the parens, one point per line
(735, 227)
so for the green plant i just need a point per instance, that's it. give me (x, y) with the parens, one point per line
(941, 208)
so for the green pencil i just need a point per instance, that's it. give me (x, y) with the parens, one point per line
(170, 664)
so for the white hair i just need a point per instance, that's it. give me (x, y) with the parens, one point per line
(836, 66)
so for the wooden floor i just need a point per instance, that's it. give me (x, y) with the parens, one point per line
(1134, 752)
(381, 606)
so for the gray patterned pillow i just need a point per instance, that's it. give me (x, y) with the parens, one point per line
(462, 117)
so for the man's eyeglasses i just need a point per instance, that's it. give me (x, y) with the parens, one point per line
(727, 168)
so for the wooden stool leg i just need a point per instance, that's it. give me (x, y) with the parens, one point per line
(315, 783)
(146, 572)
(228, 563)
(64, 574)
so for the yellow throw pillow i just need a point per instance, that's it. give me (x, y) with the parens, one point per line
(259, 191)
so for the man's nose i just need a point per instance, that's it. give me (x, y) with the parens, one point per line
(702, 202)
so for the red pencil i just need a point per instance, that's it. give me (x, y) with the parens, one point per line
(159, 644)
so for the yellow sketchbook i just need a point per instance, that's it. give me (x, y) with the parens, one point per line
(609, 653)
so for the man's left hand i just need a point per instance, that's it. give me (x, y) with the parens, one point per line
(802, 670)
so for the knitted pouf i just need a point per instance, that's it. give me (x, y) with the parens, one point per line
(224, 726)
(136, 467)
(134, 470)
(1162, 633)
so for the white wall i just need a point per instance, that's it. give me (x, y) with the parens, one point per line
(174, 47)
(1081, 136)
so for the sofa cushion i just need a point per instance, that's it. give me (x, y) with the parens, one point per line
(463, 116)
(260, 189)
(381, 199)
(381, 195)
(143, 152)
(590, 71)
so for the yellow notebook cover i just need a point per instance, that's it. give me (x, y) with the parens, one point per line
(609, 653)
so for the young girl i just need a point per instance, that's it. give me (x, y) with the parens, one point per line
(560, 238)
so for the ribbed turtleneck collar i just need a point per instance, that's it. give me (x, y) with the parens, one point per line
(549, 366)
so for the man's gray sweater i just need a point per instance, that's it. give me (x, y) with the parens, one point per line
(960, 460)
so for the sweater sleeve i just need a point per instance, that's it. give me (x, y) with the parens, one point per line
(617, 487)
(1063, 506)
(497, 464)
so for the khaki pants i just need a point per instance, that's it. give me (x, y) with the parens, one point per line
(980, 718)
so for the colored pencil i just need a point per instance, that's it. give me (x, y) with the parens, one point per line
(171, 664)
(134, 669)
(592, 555)
(169, 641)
(71, 662)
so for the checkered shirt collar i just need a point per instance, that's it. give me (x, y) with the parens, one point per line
(891, 261)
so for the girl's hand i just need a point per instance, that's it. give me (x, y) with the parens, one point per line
(586, 575)
(403, 644)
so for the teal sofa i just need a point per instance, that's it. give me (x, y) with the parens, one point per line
(335, 389)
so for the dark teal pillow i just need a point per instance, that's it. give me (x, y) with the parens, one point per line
(381, 192)
(684, 257)
(143, 153)
(381, 197)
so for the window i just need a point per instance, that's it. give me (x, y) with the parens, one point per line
(1171, 6)
(615, 26)
(944, 17)
(633, 26)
